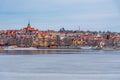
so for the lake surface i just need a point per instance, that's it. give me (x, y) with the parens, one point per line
(60, 65)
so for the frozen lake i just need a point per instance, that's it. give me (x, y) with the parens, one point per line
(89, 65)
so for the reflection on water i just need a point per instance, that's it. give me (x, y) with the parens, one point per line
(54, 51)
(24, 52)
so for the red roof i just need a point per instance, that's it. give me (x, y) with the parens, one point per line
(87, 36)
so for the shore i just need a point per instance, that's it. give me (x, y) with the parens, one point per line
(81, 48)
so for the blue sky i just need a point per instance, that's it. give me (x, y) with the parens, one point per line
(53, 14)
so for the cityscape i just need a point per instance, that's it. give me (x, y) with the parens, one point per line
(63, 39)
(59, 39)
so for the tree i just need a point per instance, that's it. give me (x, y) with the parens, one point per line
(62, 29)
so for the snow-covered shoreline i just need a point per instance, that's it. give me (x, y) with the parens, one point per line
(32, 48)
(81, 48)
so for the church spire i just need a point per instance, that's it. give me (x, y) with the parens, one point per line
(29, 24)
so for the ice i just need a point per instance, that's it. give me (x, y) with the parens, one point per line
(57, 76)
(104, 65)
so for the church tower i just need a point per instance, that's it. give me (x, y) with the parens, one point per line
(29, 28)
(28, 24)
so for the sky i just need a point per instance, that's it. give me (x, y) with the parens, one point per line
(93, 15)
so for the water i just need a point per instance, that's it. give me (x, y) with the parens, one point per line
(79, 65)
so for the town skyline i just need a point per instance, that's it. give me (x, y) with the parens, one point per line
(93, 15)
(31, 37)
(65, 29)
